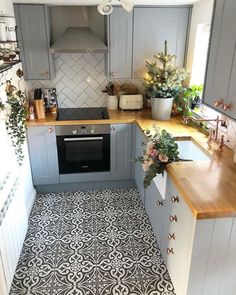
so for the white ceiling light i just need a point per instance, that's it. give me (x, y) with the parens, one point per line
(105, 7)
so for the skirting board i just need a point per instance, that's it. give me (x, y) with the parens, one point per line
(84, 186)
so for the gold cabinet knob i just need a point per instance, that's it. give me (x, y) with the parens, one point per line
(159, 203)
(173, 218)
(175, 199)
(50, 130)
(170, 251)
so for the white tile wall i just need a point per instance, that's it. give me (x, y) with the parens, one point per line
(79, 80)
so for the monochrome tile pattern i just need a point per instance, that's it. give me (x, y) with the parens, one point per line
(80, 79)
(90, 243)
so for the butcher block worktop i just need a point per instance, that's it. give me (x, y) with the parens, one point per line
(208, 187)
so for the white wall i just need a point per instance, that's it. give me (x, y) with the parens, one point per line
(8, 161)
(201, 14)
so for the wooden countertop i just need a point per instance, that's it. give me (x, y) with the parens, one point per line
(208, 188)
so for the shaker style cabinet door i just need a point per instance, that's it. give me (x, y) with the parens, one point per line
(43, 155)
(138, 169)
(154, 208)
(152, 26)
(121, 151)
(33, 35)
(220, 82)
(120, 43)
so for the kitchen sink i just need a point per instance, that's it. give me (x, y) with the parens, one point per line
(189, 150)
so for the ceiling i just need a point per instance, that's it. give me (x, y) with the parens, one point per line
(95, 2)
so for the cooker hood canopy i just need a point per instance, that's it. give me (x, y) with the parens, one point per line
(78, 39)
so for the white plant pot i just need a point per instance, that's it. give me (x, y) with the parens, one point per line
(112, 102)
(161, 108)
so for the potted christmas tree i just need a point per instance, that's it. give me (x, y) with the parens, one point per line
(163, 84)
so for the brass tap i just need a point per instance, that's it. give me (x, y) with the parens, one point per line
(214, 134)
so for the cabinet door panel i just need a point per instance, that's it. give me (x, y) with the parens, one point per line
(34, 41)
(221, 69)
(154, 208)
(43, 155)
(121, 152)
(120, 41)
(152, 26)
(138, 170)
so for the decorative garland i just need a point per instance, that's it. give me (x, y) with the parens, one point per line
(15, 122)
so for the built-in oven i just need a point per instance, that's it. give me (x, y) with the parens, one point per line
(83, 148)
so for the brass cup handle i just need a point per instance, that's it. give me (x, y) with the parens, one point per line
(170, 251)
(159, 203)
(175, 199)
(171, 236)
(173, 218)
(50, 130)
(227, 107)
(218, 103)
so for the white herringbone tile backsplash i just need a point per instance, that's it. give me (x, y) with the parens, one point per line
(80, 79)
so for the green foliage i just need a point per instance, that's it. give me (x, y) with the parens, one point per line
(186, 102)
(159, 150)
(16, 123)
(164, 79)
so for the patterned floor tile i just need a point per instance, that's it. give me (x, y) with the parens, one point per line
(90, 243)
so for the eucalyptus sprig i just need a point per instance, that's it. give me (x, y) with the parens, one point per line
(15, 122)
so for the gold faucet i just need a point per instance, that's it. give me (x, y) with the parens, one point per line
(213, 135)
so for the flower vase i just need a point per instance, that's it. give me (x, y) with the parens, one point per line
(112, 102)
(161, 108)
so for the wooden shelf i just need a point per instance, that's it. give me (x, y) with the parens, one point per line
(8, 65)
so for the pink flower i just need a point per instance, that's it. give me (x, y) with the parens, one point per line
(146, 165)
(163, 158)
(154, 153)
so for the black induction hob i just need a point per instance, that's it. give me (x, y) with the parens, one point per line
(82, 114)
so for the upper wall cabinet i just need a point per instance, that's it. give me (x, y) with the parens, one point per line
(152, 26)
(136, 37)
(120, 43)
(33, 34)
(220, 82)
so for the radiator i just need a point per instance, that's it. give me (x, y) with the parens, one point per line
(13, 227)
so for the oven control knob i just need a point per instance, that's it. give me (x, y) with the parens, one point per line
(92, 131)
(74, 131)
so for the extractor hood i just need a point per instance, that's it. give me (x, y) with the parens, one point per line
(78, 39)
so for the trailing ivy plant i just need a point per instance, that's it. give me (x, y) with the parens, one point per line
(15, 122)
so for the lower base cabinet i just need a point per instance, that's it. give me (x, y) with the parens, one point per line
(43, 155)
(199, 253)
(139, 138)
(121, 151)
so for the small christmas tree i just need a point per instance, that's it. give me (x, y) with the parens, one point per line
(164, 79)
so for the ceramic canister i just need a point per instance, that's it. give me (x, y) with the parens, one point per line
(10, 26)
(3, 33)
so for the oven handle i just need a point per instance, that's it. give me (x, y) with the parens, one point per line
(83, 138)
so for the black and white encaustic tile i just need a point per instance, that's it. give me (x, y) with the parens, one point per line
(90, 243)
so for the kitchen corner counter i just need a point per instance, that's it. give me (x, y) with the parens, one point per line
(209, 188)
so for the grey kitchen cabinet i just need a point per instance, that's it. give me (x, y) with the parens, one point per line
(138, 169)
(120, 38)
(154, 208)
(121, 151)
(152, 26)
(199, 253)
(135, 37)
(33, 32)
(220, 80)
(43, 155)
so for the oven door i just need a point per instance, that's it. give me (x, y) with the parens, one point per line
(83, 153)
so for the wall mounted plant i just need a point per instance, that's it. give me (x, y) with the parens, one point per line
(15, 121)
